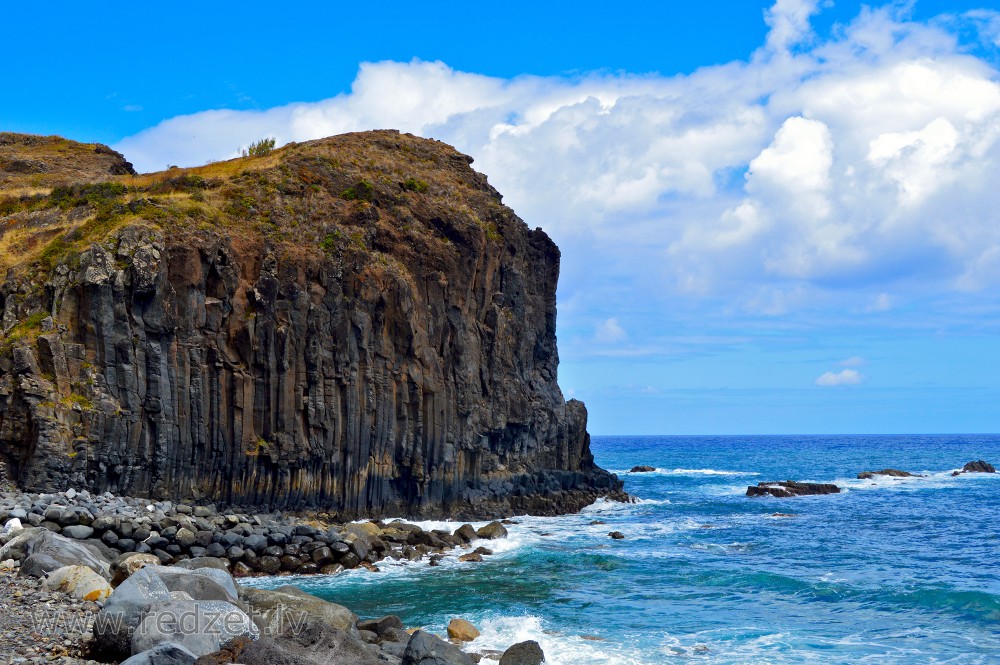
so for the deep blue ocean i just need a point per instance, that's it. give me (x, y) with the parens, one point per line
(888, 571)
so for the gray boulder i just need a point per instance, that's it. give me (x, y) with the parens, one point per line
(200, 584)
(314, 645)
(427, 649)
(64, 550)
(38, 565)
(201, 626)
(78, 532)
(165, 653)
(492, 531)
(121, 615)
(523, 653)
(288, 608)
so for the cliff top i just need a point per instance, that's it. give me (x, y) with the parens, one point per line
(379, 193)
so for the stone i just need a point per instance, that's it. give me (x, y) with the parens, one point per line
(269, 565)
(471, 557)
(184, 537)
(78, 532)
(165, 653)
(492, 531)
(790, 488)
(80, 582)
(523, 653)
(118, 620)
(200, 584)
(466, 533)
(38, 565)
(127, 564)
(461, 630)
(616, 535)
(288, 608)
(201, 626)
(642, 468)
(381, 625)
(64, 550)
(427, 649)
(978, 467)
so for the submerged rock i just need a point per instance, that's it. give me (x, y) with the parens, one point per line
(895, 473)
(642, 469)
(789, 488)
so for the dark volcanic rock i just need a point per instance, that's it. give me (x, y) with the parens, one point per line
(642, 469)
(895, 473)
(372, 353)
(523, 653)
(787, 488)
(976, 467)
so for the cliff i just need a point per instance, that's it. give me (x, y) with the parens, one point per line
(355, 324)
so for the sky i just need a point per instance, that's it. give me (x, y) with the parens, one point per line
(774, 216)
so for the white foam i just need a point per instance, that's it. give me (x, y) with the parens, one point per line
(499, 633)
(685, 472)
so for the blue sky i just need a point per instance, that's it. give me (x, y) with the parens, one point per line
(775, 217)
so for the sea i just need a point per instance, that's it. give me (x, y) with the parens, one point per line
(891, 570)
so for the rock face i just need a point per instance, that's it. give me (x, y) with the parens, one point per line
(355, 324)
(789, 488)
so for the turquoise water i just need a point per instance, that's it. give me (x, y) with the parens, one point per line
(890, 571)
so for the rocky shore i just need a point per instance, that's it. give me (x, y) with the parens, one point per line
(98, 577)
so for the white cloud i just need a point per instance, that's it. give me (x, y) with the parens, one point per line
(610, 332)
(813, 170)
(846, 377)
(853, 361)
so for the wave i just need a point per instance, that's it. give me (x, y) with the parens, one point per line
(684, 472)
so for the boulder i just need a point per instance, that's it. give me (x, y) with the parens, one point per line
(789, 488)
(80, 582)
(199, 584)
(165, 653)
(314, 645)
(38, 565)
(289, 609)
(523, 653)
(9, 529)
(382, 625)
(201, 626)
(427, 649)
(64, 550)
(204, 562)
(466, 532)
(492, 531)
(642, 468)
(471, 557)
(115, 624)
(461, 630)
(616, 535)
(125, 565)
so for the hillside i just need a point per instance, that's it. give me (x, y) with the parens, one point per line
(356, 323)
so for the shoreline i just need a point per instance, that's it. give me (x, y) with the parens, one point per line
(115, 536)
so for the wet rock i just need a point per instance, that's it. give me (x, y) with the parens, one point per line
(492, 531)
(642, 468)
(461, 630)
(790, 488)
(976, 467)
(616, 535)
(894, 473)
(427, 649)
(288, 608)
(523, 653)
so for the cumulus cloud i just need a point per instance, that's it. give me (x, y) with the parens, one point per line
(856, 164)
(846, 377)
(610, 332)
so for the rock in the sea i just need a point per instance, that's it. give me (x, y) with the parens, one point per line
(642, 468)
(80, 582)
(427, 649)
(895, 473)
(523, 653)
(461, 630)
(616, 535)
(789, 488)
(976, 467)
(492, 531)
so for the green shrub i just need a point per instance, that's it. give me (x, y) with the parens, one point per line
(414, 185)
(261, 148)
(363, 191)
